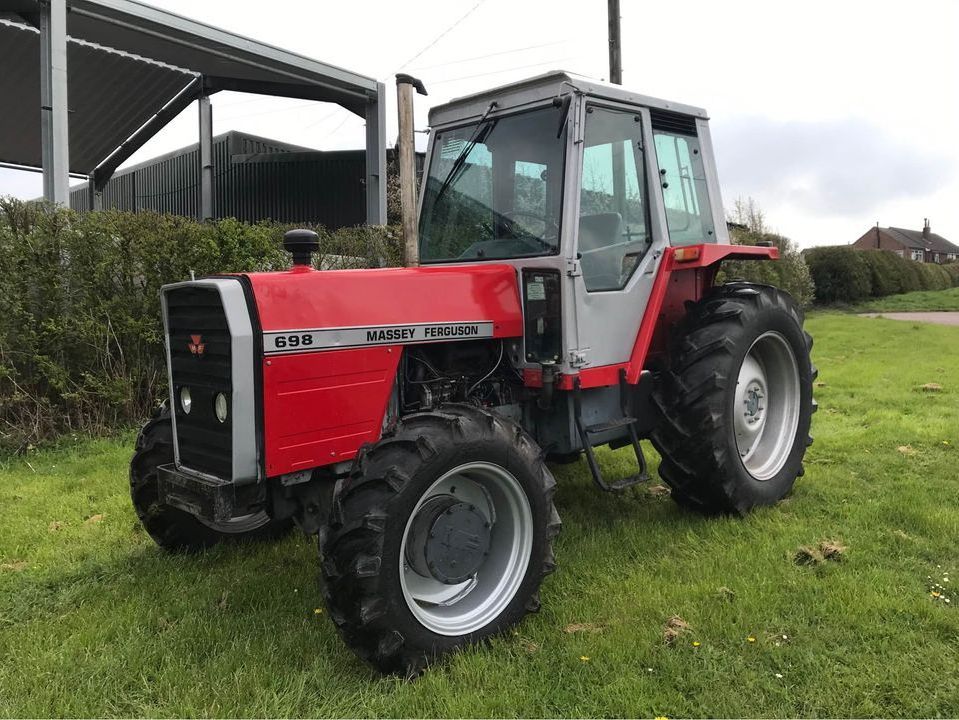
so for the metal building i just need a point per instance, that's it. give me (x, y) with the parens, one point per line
(86, 83)
(254, 178)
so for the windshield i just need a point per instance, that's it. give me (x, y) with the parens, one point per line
(494, 190)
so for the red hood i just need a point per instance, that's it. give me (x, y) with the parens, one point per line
(303, 298)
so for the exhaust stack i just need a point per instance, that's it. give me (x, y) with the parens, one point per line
(405, 84)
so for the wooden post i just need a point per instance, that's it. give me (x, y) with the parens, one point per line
(405, 85)
(615, 46)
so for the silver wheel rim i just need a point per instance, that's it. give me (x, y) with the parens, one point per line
(468, 606)
(238, 525)
(766, 406)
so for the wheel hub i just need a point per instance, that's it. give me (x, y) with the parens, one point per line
(754, 403)
(767, 404)
(449, 540)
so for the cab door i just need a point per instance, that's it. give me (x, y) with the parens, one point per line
(620, 234)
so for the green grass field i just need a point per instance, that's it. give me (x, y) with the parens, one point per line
(924, 300)
(95, 621)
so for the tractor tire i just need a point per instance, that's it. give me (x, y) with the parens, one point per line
(173, 529)
(395, 591)
(736, 401)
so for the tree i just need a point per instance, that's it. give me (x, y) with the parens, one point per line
(748, 226)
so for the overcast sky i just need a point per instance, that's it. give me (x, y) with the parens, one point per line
(831, 114)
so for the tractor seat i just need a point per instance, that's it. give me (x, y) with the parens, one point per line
(600, 230)
(601, 249)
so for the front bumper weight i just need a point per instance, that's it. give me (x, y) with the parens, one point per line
(203, 497)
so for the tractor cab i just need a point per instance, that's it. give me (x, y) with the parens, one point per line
(581, 180)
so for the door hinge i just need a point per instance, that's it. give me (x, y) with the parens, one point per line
(572, 268)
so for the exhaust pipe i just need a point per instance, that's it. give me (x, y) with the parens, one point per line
(405, 84)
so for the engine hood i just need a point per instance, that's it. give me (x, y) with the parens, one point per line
(395, 301)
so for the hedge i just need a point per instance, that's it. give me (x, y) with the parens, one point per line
(789, 272)
(80, 327)
(844, 274)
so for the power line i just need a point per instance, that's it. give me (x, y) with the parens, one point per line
(269, 112)
(500, 72)
(326, 117)
(495, 54)
(443, 34)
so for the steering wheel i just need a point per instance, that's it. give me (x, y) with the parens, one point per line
(550, 226)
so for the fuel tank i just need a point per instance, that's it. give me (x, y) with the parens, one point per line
(332, 341)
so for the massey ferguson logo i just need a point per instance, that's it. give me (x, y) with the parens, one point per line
(196, 345)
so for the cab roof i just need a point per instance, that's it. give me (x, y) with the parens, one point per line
(545, 86)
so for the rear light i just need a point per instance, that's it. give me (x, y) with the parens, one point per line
(686, 254)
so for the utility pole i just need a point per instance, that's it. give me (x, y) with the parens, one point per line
(405, 84)
(615, 46)
(616, 77)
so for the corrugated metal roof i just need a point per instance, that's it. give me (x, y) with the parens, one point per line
(111, 94)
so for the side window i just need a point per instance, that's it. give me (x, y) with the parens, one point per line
(613, 227)
(683, 181)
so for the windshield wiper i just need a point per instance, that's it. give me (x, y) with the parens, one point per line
(480, 134)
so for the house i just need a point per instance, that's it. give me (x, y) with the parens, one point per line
(920, 245)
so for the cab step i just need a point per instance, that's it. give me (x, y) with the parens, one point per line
(586, 432)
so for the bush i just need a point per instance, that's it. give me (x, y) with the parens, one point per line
(953, 270)
(80, 327)
(934, 277)
(840, 274)
(846, 275)
(789, 272)
(890, 273)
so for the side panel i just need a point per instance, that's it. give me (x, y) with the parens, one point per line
(319, 408)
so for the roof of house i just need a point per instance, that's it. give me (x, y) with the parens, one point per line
(915, 239)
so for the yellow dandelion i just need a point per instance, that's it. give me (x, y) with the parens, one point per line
(934, 593)
(584, 658)
(696, 643)
(662, 717)
(318, 611)
(751, 639)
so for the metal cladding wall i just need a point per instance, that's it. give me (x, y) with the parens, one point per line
(254, 179)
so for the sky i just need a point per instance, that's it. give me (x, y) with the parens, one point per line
(832, 115)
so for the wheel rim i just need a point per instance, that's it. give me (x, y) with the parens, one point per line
(766, 405)
(238, 525)
(496, 496)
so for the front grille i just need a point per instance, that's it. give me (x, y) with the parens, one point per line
(204, 443)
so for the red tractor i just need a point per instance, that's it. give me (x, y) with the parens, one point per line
(570, 234)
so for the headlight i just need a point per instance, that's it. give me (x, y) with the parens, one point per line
(186, 402)
(222, 407)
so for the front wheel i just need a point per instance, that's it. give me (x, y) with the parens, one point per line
(171, 528)
(737, 401)
(440, 537)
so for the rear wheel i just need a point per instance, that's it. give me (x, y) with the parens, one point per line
(736, 401)
(440, 537)
(171, 528)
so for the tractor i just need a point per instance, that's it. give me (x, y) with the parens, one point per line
(565, 297)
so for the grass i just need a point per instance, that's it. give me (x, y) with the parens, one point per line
(94, 620)
(921, 301)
